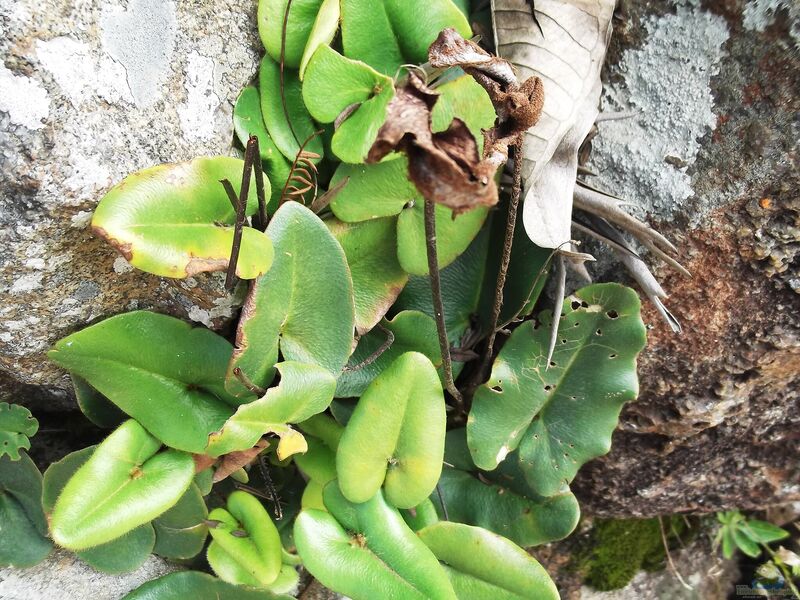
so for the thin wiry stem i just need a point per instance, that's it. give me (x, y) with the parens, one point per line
(245, 381)
(263, 219)
(377, 354)
(250, 154)
(438, 307)
(669, 556)
(444, 504)
(508, 242)
(281, 65)
(561, 282)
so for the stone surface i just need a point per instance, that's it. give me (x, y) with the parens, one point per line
(713, 159)
(90, 92)
(62, 575)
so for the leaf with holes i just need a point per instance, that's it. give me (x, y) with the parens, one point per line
(304, 305)
(382, 557)
(247, 121)
(413, 331)
(288, 127)
(299, 24)
(124, 554)
(175, 388)
(175, 220)
(126, 483)
(197, 586)
(304, 390)
(245, 534)
(563, 414)
(383, 189)
(16, 426)
(401, 448)
(23, 529)
(482, 564)
(370, 248)
(333, 83)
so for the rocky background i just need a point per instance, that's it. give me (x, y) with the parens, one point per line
(90, 91)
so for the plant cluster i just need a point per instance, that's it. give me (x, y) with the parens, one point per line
(329, 407)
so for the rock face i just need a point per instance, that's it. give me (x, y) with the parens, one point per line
(713, 158)
(90, 92)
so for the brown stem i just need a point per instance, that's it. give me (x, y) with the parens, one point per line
(511, 222)
(245, 381)
(250, 154)
(438, 307)
(281, 64)
(377, 354)
(263, 218)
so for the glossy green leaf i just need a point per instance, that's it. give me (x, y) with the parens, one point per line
(497, 508)
(465, 99)
(485, 565)
(299, 24)
(561, 415)
(247, 121)
(383, 189)
(197, 586)
(286, 133)
(121, 555)
(204, 480)
(229, 569)
(382, 557)
(417, 24)
(333, 83)
(453, 235)
(305, 302)
(322, 33)
(413, 332)
(304, 390)
(94, 406)
(372, 191)
(461, 280)
(312, 496)
(325, 428)
(395, 437)
(175, 220)
(16, 426)
(370, 248)
(367, 36)
(421, 516)
(318, 463)
(126, 483)
(181, 531)
(246, 533)
(22, 523)
(163, 372)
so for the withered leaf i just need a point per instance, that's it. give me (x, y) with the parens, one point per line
(445, 167)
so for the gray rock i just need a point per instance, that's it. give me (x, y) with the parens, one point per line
(90, 92)
(62, 575)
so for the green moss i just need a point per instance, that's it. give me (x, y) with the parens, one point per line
(617, 549)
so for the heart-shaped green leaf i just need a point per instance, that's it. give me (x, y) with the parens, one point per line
(94, 406)
(124, 554)
(333, 83)
(175, 388)
(563, 414)
(288, 125)
(16, 426)
(395, 437)
(371, 251)
(305, 302)
(299, 24)
(175, 220)
(247, 121)
(229, 569)
(181, 531)
(417, 24)
(381, 558)
(197, 586)
(22, 523)
(413, 331)
(304, 391)
(482, 564)
(322, 33)
(383, 189)
(124, 484)
(245, 534)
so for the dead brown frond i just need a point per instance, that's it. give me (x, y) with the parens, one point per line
(303, 175)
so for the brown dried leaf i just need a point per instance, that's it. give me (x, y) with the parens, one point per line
(236, 460)
(445, 167)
